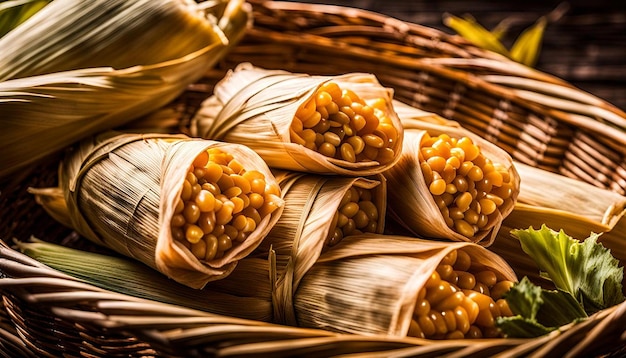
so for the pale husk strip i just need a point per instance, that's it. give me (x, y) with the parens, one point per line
(127, 276)
(544, 189)
(67, 97)
(299, 236)
(410, 202)
(368, 284)
(121, 191)
(255, 107)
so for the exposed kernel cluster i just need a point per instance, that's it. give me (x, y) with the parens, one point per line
(468, 187)
(356, 214)
(221, 203)
(339, 124)
(460, 300)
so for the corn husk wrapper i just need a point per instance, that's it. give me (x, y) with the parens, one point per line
(255, 107)
(369, 284)
(299, 236)
(76, 68)
(410, 202)
(121, 191)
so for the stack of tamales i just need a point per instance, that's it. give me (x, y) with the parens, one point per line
(314, 201)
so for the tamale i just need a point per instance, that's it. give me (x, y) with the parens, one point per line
(405, 286)
(190, 208)
(450, 183)
(318, 124)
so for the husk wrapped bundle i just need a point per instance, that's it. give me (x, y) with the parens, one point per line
(372, 284)
(316, 124)
(450, 183)
(140, 196)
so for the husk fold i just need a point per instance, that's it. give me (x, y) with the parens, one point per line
(410, 202)
(76, 68)
(121, 191)
(255, 107)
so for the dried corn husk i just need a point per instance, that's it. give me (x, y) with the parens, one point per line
(123, 275)
(544, 189)
(121, 191)
(376, 279)
(411, 203)
(256, 107)
(74, 69)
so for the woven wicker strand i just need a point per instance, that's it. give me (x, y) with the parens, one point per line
(48, 314)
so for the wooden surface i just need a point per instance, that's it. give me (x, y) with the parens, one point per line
(586, 46)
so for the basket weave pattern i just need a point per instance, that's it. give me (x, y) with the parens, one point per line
(46, 313)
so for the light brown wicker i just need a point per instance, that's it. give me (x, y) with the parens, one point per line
(539, 119)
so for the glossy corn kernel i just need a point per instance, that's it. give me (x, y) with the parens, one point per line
(356, 214)
(221, 203)
(468, 188)
(339, 124)
(460, 300)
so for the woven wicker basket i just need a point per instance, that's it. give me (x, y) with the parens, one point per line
(46, 313)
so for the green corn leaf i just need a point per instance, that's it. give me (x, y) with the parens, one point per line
(527, 46)
(14, 12)
(475, 33)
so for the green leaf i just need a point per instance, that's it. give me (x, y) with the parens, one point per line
(586, 270)
(475, 33)
(526, 48)
(538, 311)
(520, 327)
(14, 12)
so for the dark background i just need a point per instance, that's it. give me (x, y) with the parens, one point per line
(586, 46)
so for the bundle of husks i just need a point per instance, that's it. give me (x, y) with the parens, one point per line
(190, 208)
(76, 68)
(316, 124)
(449, 183)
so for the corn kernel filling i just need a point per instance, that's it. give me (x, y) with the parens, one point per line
(468, 187)
(221, 204)
(339, 124)
(355, 215)
(460, 300)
